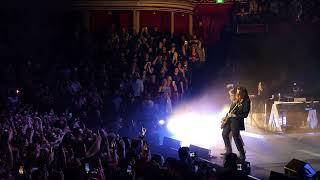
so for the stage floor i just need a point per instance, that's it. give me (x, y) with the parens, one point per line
(271, 152)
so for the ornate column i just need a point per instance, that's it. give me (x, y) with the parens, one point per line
(172, 24)
(138, 21)
(190, 24)
(134, 21)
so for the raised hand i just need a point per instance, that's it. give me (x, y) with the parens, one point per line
(143, 131)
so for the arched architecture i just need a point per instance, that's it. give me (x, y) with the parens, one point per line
(175, 16)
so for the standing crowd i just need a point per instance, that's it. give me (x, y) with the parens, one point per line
(82, 119)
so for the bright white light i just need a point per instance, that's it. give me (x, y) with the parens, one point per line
(198, 129)
(253, 135)
(162, 122)
(224, 111)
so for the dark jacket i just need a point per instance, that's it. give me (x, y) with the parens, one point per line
(241, 112)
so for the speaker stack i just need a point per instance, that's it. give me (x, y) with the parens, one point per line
(296, 169)
(171, 143)
(201, 152)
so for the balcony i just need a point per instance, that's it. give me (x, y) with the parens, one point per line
(184, 6)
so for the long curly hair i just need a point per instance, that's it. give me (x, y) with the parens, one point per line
(243, 93)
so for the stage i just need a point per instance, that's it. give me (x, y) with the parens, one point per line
(266, 151)
(271, 152)
(199, 124)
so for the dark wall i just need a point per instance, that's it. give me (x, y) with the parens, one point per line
(33, 29)
(286, 54)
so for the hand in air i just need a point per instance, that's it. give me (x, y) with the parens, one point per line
(143, 131)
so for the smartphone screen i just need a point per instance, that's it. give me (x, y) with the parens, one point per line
(86, 167)
(34, 169)
(192, 154)
(239, 167)
(113, 144)
(129, 169)
(21, 170)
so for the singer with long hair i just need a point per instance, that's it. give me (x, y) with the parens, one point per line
(234, 123)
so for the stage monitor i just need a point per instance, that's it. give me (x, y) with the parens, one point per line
(298, 168)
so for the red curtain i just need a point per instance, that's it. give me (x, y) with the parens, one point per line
(126, 19)
(100, 20)
(165, 21)
(210, 20)
(181, 23)
(155, 19)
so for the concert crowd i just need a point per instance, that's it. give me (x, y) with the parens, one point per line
(96, 116)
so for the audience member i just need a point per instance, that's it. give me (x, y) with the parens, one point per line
(64, 121)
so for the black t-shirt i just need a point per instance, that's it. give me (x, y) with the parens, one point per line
(178, 79)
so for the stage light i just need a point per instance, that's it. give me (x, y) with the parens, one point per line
(223, 112)
(161, 122)
(199, 129)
